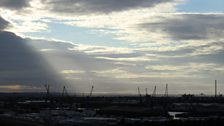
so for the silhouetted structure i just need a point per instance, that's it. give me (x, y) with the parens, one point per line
(166, 91)
(146, 92)
(64, 92)
(47, 87)
(154, 92)
(215, 88)
(91, 91)
(140, 95)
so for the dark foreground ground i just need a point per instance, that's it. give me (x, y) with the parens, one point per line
(209, 122)
(39, 109)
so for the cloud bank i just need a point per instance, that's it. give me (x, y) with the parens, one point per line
(3, 23)
(14, 4)
(21, 65)
(99, 6)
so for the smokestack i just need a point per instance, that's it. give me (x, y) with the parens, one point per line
(215, 88)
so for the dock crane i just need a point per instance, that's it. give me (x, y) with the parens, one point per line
(64, 92)
(47, 87)
(166, 91)
(91, 91)
(154, 92)
(146, 92)
(88, 98)
(140, 95)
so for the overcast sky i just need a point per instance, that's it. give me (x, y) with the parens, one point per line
(115, 45)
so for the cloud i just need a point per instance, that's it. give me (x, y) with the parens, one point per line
(188, 49)
(187, 67)
(22, 65)
(99, 6)
(14, 4)
(161, 46)
(200, 70)
(72, 71)
(124, 71)
(165, 67)
(135, 75)
(103, 50)
(19, 88)
(3, 23)
(45, 50)
(118, 17)
(214, 48)
(189, 27)
(129, 59)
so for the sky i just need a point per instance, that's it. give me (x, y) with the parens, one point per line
(115, 45)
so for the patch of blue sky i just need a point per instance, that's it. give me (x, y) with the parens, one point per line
(79, 35)
(202, 6)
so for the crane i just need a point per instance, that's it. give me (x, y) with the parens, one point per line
(146, 92)
(47, 87)
(140, 96)
(91, 91)
(166, 91)
(154, 92)
(64, 92)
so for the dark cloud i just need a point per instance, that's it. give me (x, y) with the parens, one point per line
(14, 4)
(190, 26)
(20, 64)
(3, 23)
(99, 6)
